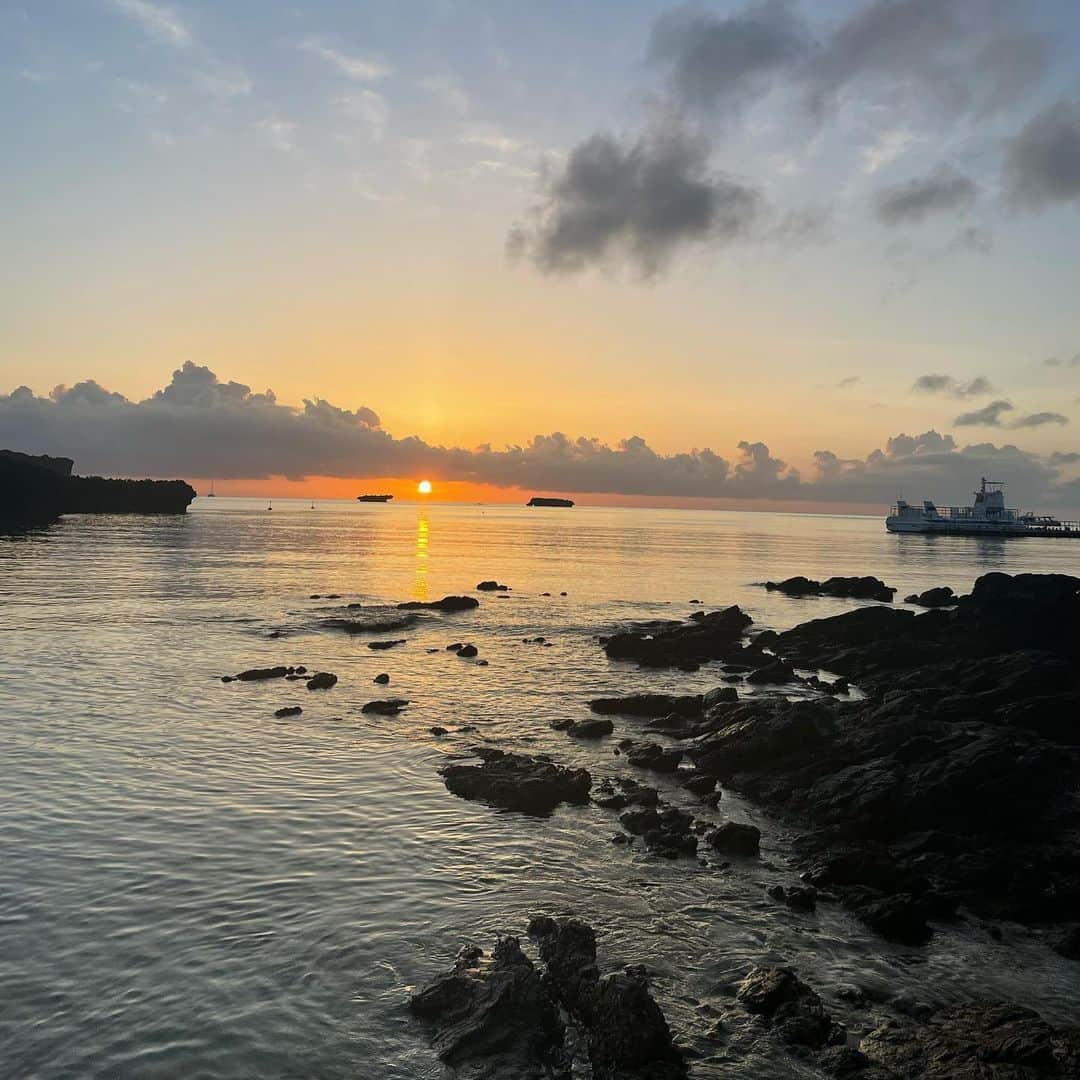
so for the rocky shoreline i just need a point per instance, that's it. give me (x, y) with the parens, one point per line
(929, 765)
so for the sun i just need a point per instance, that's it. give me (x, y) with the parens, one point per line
(424, 487)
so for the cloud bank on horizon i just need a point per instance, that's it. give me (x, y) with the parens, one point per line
(200, 426)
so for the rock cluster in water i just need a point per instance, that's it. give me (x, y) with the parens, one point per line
(532, 785)
(849, 588)
(501, 1017)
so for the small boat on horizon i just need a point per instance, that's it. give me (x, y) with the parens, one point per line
(374, 498)
(987, 516)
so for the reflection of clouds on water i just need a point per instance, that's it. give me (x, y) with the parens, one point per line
(420, 583)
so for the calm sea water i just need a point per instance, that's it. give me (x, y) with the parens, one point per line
(189, 886)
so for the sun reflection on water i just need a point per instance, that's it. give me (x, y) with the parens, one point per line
(420, 583)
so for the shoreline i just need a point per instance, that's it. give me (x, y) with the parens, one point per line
(906, 800)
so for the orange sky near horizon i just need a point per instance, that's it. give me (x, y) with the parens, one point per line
(465, 492)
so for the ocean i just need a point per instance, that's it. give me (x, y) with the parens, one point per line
(192, 886)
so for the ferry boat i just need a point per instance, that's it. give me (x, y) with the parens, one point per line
(987, 516)
(374, 498)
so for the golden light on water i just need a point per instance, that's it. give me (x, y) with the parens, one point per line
(424, 487)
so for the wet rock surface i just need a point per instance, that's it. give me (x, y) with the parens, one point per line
(978, 1039)
(960, 761)
(503, 1018)
(706, 636)
(853, 588)
(511, 781)
(446, 604)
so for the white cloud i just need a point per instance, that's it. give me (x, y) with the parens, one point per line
(358, 68)
(157, 20)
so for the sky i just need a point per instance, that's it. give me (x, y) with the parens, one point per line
(784, 253)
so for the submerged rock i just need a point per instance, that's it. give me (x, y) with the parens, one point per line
(491, 586)
(322, 680)
(386, 707)
(708, 636)
(517, 782)
(942, 596)
(382, 679)
(467, 651)
(854, 588)
(447, 603)
(288, 710)
(376, 624)
(258, 674)
(593, 728)
(648, 705)
(390, 644)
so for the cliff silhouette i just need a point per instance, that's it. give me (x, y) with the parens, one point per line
(36, 490)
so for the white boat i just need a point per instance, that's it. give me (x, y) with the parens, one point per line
(987, 516)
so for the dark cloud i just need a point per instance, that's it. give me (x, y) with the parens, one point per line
(199, 426)
(955, 56)
(722, 62)
(1056, 361)
(637, 201)
(946, 384)
(913, 201)
(1039, 419)
(988, 416)
(1070, 457)
(1042, 162)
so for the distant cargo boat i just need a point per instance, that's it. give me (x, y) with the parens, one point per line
(987, 516)
(536, 500)
(374, 498)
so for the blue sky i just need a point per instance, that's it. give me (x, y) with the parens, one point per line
(320, 197)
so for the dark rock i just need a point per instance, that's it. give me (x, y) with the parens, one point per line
(288, 710)
(491, 586)
(562, 724)
(375, 624)
(446, 604)
(654, 756)
(517, 782)
(976, 1039)
(719, 695)
(707, 636)
(648, 705)
(438, 730)
(467, 651)
(699, 783)
(733, 838)
(942, 596)
(796, 1011)
(385, 707)
(386, 644)
(257, 674)
(321, 680)
(454, 647)
(493, 1018)
(594, 728)
(627, 1035)
(382, 679)
(776, 672)
(854, 588)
